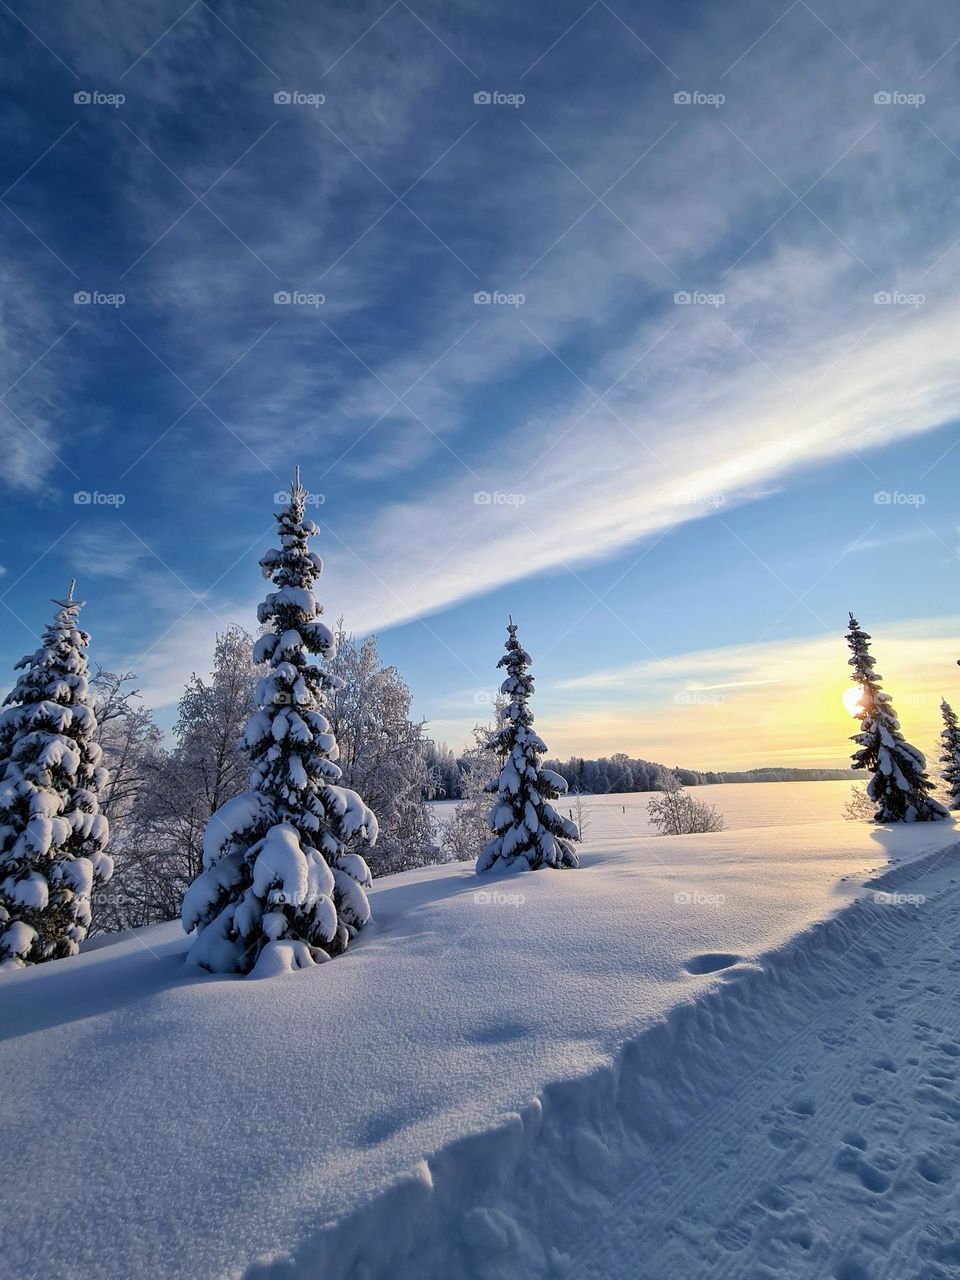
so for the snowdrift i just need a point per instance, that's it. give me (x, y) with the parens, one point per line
(464, 1093)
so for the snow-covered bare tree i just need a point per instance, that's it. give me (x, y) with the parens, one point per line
(280, 888)
(528, 831)
(858, 807)
(675, 812)
(52, 834)
(899, 786)
(383, 752)
(211, 720)
(131, 746)
(467, 829)
(950, 757)
(129, 739)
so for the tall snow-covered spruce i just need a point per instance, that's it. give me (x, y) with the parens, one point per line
(279, 889)
(52, 833)
(950, 759)
(899, 786)
(528, 831)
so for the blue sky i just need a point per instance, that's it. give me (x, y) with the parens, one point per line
(667, 478)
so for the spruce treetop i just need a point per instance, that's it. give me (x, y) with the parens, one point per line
(950, 754)
(282, 886)
(52, 834)
(528, 833)
(899, 785)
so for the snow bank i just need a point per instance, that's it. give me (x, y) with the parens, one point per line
(546, 1026)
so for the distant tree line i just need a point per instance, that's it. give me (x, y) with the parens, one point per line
(450, 770)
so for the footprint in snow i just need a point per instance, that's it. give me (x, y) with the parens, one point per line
(931, 1169)
(854, 1162)
(711, 962)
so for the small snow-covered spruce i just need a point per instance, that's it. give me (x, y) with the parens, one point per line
(279, 889)
(52, 833)
(899, 786)
(950, 759)
(528, 831)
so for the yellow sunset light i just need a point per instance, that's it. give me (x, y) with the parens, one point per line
(851, 700)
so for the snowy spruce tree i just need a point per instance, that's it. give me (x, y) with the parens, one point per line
(52, 833)
(280, 888)
(950, 759)
(528, 833)
(899, 786)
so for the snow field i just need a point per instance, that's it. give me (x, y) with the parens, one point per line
(465, 1093)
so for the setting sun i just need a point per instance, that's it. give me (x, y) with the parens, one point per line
(851, 700)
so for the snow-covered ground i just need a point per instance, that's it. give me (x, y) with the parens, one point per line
(743, 804)
(698, 1056)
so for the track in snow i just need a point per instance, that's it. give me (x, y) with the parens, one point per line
(839, 1158)
(799, 1120)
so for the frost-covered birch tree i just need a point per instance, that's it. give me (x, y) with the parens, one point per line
(899, 786)
(950, 758)
(52, 833)
(528, 833)
(281, 889)
(466, 830)
(383, 752)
